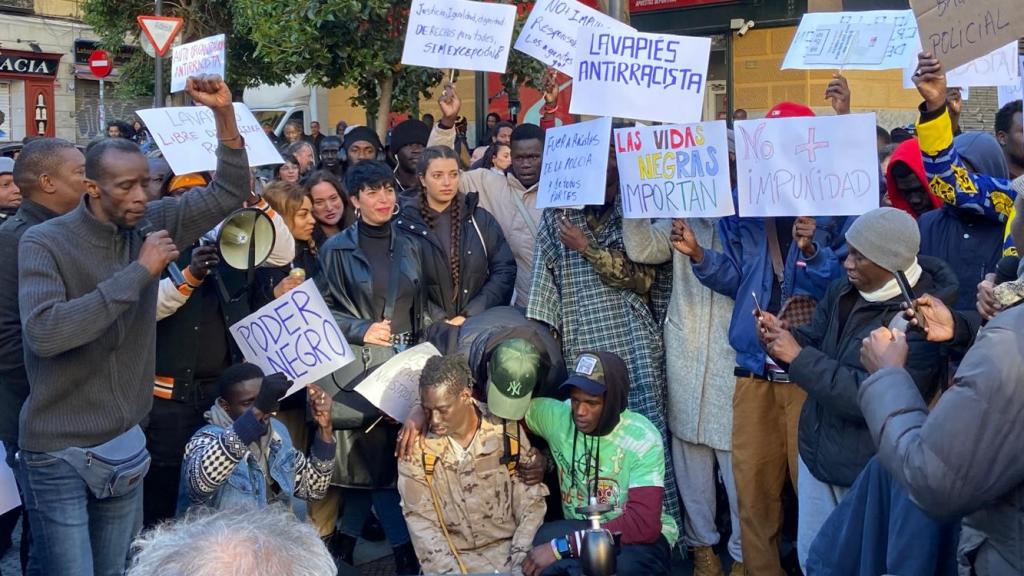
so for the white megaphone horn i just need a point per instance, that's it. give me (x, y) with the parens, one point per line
(246, 238)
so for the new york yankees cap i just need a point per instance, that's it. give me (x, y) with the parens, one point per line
(511, 377)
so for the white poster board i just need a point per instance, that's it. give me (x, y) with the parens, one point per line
(204, 56)
(814, 166)
(1007, 94)
(575, 164)
(658, 77)
(459, 34)
(674, 171)
(187, 136)
(394, 386)
(551, 31)
(295, 334)
(997, 68)
(868, 40)
(9, 496)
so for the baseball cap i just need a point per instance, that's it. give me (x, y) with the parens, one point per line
(789, 110)
(6, 165)
(588, 375)
(512, 375)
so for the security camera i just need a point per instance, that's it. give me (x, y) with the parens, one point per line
(741, 26)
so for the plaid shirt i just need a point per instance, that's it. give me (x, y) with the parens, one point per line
(568, 294)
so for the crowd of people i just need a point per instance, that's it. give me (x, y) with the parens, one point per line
(846, 385)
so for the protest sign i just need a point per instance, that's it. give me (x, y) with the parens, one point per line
(1007, 94)
(295, 334)
(674, 171)
(394, 386)
(575, 164)
(204, 56)
(869, 40)
(957, 31)
(657, 77)
(552, 28)
(459, 34)
(812, 166)
(9, 496)
(997, 68)
(187, 136)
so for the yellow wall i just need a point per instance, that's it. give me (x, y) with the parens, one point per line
(759, 84)
(61, 8)
(340, 108)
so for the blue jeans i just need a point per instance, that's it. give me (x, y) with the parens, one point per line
(647, 559)
(386, 503)
(74, 533)
(30, 563)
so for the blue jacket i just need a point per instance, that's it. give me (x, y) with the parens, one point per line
(219, 470)
(969, 242)
(744, 267)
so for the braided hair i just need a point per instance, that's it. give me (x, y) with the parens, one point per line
(422, 165)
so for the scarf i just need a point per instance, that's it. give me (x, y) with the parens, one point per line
(260, 449)
(891, 289)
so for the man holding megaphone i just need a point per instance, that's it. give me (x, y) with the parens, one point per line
(88, 293)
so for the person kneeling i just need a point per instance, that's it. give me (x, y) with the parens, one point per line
(467, 509)
(245, 456)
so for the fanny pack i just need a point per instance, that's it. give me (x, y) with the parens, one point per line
(113, 468)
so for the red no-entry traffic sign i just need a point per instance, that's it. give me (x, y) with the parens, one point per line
(100, 63)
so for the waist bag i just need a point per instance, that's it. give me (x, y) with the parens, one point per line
(113, 468)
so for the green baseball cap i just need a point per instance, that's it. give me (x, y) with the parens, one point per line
(511, 377)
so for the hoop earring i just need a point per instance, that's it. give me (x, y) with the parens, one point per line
(395, 210)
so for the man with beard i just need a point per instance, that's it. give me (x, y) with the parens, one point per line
(1010, 135)
(408, 139)
(361, 143)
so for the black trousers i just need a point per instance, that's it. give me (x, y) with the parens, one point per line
(168, 429)
(647, 559)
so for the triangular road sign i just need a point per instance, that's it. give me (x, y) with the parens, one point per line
(160, 31)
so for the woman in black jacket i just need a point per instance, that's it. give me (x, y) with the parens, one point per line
(371, 282)
(468, 266)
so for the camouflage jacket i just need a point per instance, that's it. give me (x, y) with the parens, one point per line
(490, 514)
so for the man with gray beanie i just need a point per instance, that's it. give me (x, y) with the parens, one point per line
(824, 356)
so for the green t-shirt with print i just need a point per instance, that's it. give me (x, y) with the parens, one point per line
(631, 456)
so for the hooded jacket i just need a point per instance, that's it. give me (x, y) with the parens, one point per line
(835, 443)
(909, 154)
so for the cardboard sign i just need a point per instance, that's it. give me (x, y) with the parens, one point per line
(575, 164)
(187, 136)
(394, 386)
(816, 166)
(204, 56)
(295, 334)
(552, 28)
(998, 68)
(657, 77)
(459, 34)
(674, 171)
(958, 31)
(1007, 94)
(869, 40)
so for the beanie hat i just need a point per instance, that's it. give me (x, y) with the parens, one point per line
(789, 110)
(361, 134)
(512, 375)
(409, 132)
(888, 237)
(6, 165)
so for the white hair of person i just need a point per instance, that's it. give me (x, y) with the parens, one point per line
(238, 541)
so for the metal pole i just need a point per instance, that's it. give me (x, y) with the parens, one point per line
(158, 80)
(103, 111)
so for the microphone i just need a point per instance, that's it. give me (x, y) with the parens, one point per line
(145, 228)
(1006, 269)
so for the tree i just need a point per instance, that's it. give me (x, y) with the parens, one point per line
(114, 21)
(354, 44)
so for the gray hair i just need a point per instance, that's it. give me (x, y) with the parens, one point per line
(242, 541)
(299, 145)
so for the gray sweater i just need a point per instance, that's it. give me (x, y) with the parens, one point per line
(88, 313)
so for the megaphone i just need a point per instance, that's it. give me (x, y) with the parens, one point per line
(246, 238)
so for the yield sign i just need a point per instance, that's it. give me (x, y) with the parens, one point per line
(160, 31)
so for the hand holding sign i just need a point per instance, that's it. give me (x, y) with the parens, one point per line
(803, 233)
(685, 241)
(209, 90)
(450, 104)
(838, 90)
(930, 79)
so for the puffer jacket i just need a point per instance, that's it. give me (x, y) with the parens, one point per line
(835, 443)
(487, 268)
(962, 458)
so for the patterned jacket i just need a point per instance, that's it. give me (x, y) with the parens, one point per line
(950, 180)
(490, 514)
(219, 470)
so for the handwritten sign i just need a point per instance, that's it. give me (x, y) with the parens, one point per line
(187, 136)
(674, 171)
(575, 164)
(459, 34)
(394, 386)
(550, 32)
(958, 31)
(869, 40)
(816, 166)
(657, 77)
(997, 68)
(204, 56)
(1007, 94)
(295, 334)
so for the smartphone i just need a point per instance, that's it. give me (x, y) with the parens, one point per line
(908, 299)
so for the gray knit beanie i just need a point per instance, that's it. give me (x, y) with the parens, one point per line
(887, 236)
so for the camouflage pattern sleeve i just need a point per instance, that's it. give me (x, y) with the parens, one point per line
(529, 508)
(417, 506)
(616, 269)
